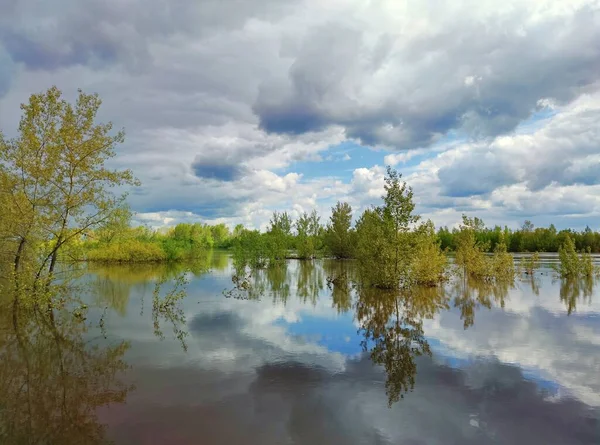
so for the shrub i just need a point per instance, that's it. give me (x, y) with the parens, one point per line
(131, 251)
(531, 263)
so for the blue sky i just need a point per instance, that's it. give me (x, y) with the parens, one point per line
(230, 113)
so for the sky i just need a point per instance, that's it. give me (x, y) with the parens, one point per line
(236, 108)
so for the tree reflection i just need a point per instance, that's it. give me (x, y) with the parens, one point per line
(572, 289)
(278, 282)
(52, 380)
(392, 325)
(310, 281)
(339, 282)
(471, 294)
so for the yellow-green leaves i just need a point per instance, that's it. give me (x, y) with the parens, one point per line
(54, 183)
(392, 252)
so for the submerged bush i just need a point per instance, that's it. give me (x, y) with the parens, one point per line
(571, 264)
(530, 263)
(472, 259)
(502, 264)
(429, 261)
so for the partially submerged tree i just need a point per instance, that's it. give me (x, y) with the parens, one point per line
(339, 236)
(308, 239)
(573, 265)
(58, 184)
(394, 252)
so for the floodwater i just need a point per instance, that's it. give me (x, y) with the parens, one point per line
(290, 357)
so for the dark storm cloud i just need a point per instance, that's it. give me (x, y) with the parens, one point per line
(482, 79)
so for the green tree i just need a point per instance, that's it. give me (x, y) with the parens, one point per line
(470, 253)
(279, 236)
(385, 245)
(61, 187)
(339, 236)
(308, 229)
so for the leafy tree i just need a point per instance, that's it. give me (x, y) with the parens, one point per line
(116, 226)
(308, 235)
(60, 187)
(220, 235)
(339, 236)
(279, 236)
(470, 253)
(429, 262)
(573, 265)
(385, 245)
(531, 263)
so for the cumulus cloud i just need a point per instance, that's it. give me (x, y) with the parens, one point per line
(406, 89)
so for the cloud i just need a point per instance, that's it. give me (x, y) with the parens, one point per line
(408, 89)
(98, 32)
(546, 169)
(221, 100)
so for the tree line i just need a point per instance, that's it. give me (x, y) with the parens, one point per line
(527, 238)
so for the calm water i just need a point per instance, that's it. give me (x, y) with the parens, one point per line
(289, 359)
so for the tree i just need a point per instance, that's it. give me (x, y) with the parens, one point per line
(385, 245)
(308, 229)
(470, 254)
(339, 236)
(61, 187)
(279, 236)
(116, 226)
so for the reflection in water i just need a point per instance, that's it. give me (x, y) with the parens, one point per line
(533, 282)
(392, 335)
(573, 289)
(391, 322)
(52, 380)
(276, 281)
(296, 372)
(339, 282)
(310, 281)
(392, 325)
(166, 308)
(471, 294)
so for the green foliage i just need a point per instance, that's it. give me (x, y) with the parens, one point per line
(131, 251)
(470, 256)
(429, 262)
(502, 265)
(251, 248)
(279, 237)
(56, 186)
(573, 265)
(530, 263)
(339, 237)
(118, 242)
(309, 235)
(391, 253)
(526, 239)
(472, 259)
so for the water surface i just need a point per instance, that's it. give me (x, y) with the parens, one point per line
(291, 358)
